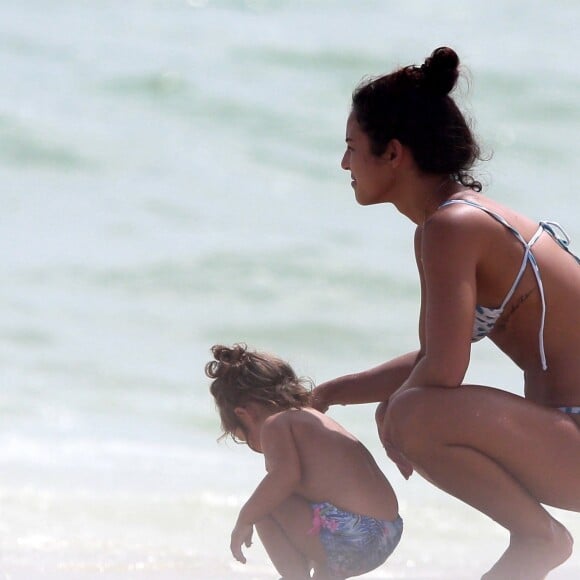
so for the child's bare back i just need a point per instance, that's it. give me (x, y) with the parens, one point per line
(335, 466)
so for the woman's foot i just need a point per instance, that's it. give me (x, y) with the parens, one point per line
(531, 558)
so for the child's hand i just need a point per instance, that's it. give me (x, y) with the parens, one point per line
(241, 534)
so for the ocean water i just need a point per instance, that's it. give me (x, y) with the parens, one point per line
(170, 179)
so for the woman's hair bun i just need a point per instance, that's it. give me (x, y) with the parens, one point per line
(227, 360)
(440, 71)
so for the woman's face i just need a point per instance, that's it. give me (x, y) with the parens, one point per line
(371, 175)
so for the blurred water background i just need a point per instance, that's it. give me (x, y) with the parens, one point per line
(170, 179)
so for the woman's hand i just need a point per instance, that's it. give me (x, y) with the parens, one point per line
(403, 464)
(321, 397)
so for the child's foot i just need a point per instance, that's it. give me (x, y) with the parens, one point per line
(531, 558)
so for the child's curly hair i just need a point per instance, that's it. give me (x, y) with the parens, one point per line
(241, 376)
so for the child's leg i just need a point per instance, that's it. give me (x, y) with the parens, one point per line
(285, 536)
(288, 561)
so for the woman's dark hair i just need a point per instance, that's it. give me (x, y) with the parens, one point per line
(241, 376)
(413, 105)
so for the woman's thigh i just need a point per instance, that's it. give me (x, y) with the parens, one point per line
(538, 446)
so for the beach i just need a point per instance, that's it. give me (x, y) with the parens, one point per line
(170, 180)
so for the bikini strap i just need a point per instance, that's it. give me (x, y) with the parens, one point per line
(528, 257)
(557, 232)
(531, 258)
(494, 215)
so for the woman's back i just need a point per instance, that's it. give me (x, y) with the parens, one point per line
(518, 330)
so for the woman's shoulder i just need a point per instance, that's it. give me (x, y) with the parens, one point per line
(453, 223)
(463, 209)
(473, 219)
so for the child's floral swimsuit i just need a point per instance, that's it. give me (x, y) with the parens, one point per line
(354, 544)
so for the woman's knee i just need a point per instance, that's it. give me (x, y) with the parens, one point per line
(406, 420)
(380, 414)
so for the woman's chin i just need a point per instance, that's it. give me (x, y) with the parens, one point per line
(361, 200)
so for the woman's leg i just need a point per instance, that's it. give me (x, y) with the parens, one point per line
(291, 548)
(500, 454)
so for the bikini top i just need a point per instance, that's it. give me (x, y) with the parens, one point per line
(486, 318)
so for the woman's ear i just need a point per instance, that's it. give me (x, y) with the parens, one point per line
(394, 152)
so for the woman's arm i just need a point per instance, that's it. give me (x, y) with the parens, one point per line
(448, 256)
(379, 383)
(371, 386)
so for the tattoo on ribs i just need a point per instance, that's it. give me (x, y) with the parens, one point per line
(502, 322)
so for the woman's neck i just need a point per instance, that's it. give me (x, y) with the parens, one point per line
(421, 196)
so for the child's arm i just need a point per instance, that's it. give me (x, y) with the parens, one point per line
(284, 474)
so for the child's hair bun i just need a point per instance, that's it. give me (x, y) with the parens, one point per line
(440, 71)
(227, 360)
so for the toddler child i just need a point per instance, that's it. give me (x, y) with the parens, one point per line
(324, 504)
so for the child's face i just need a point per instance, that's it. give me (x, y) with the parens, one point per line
(240, 434)
(249, 429)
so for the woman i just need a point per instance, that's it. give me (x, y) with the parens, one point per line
(485, 270)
